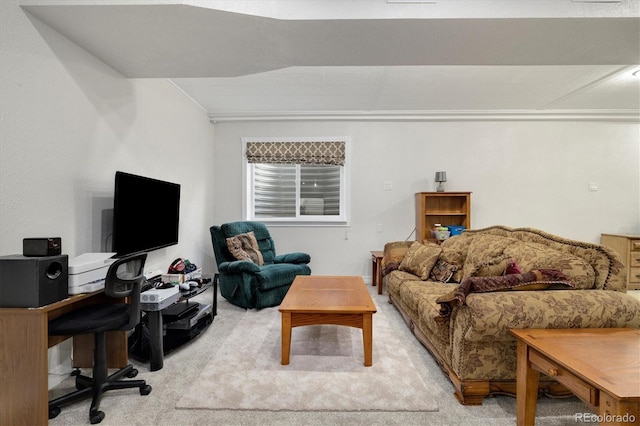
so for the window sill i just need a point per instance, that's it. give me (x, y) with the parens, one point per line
(311, 224)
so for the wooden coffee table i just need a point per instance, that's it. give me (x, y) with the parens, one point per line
(601, 366)
(333, 300)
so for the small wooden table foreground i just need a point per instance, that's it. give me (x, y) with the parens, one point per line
(333, 300)
(601, 366)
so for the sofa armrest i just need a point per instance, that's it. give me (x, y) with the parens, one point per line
(489, 316)
(238, 266)
(393, 254)
(295, 258)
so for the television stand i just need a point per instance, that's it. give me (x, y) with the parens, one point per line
(160, 332)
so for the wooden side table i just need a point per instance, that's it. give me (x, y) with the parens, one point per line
(599, 365)
(376, 269)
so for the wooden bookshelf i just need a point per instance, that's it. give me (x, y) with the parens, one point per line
(445, 208)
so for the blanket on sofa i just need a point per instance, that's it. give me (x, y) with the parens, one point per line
(539, 279)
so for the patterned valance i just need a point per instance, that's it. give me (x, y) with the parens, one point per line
(329, 153)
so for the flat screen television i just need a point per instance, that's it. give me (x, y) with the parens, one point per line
(146, 214)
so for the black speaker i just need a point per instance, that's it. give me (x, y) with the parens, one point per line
(31, 282)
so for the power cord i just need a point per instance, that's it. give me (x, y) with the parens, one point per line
(407, 239)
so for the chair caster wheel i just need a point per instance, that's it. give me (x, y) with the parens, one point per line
(133, 373)
(97, 417)
(53, 412)
(145, 390)
(75, 372)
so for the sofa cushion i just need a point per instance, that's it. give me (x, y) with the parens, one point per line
(413, 292)
(459, 243)
(396, 280)
(489, 316)
(486, 256)
(532, 280)
(493, 267)
(245, 247)
(442, 271)
(420, 259)
(537, 256)
(430, 292)
(455, 259)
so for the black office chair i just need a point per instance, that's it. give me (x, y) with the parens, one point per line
(124, 279)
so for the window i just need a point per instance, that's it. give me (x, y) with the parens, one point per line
(292, 181)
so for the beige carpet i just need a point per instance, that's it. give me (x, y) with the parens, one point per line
(326, 371)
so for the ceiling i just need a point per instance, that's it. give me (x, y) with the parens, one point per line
(439, 59)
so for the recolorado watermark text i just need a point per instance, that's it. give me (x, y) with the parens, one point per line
(606, 418)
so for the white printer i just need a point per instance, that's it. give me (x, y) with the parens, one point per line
(88, 271)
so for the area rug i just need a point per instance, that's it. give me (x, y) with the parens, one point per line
(326, 370)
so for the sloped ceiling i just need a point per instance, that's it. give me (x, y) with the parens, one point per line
(374, 58)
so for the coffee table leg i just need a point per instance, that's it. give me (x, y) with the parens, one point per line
(526, 387)
(367, 338)
(286, 337)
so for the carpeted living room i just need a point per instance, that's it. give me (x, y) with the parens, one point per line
(232, 375)
(528, 110)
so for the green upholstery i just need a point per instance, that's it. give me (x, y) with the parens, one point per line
(246, 284)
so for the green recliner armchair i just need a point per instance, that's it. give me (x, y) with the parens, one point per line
(246, 283)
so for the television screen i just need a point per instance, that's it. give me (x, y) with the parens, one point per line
(146, 213)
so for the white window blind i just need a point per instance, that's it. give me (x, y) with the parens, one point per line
(296, 181)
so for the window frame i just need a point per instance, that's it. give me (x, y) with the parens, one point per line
(342, 220)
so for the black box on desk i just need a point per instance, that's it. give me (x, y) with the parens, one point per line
(42, 246)
(31, 282)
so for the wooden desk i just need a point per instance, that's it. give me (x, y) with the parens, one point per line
(600, 366)
(376, 269)
(24, 367)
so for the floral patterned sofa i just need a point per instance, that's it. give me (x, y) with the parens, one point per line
(561, 284)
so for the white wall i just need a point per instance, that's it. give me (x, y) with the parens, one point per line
(521, 174)
(68, 122)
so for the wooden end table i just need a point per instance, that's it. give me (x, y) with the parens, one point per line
(601, 366)
(337, 300)
(376, 269)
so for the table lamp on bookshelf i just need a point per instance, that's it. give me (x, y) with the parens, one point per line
(441, 177)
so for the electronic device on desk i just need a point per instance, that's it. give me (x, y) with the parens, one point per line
(152, 279)
(195, 275)
(88, 272)
(38, 247)
(187, 327)
(153, 276)
(183, 321)
(31, 282)
(157, 299)
(198, 312)
(179, 311)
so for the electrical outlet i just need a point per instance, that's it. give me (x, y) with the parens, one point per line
(379, 227)
(593, 186)
(387, 185)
